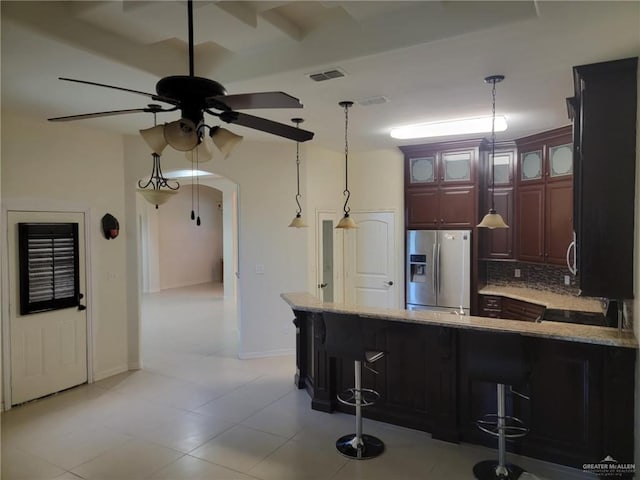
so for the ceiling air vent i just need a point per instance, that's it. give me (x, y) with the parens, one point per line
(327, 75)
(377, 100)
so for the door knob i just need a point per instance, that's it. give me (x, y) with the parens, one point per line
(322, 285)
(389, 283)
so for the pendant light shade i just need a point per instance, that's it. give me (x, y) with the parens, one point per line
(224, 140)
(154, 137)
(346, 222)
(156, 197)
(297, 221)
(493, 219)
(181, 135)
(202, 153)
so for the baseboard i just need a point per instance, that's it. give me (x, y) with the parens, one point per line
(268, 353)
(97, 376)
(135, 366)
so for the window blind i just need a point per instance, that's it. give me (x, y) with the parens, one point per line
(49, 275)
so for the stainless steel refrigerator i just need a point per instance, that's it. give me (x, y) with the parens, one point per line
(438, 270)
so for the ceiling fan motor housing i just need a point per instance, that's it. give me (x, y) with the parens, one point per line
(192, 94)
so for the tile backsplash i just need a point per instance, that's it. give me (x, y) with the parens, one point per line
(541, 277)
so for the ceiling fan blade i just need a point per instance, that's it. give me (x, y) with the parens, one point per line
(97, 114)
(265, 125)
(245, 101)
(150, 95)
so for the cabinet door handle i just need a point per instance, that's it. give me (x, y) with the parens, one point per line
(572, 265)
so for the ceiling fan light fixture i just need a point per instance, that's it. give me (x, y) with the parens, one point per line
(224, 140)
(181, 134)
(154, 137)
(202, 152)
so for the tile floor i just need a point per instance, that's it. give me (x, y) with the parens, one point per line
(195, 411)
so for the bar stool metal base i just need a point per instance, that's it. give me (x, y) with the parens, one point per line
(368, 446)
(488, 470)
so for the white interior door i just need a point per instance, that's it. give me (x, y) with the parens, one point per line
(49, 348)
(329, 255)
(370, 258)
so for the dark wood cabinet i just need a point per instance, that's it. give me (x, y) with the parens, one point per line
(422, 207)
(558, 220)
(544, 219)
(440, 185)
(566, 408)
(530, 223)
(518, 310)
(604, 112)
(498, 243)
(581, 405)
(490, 306)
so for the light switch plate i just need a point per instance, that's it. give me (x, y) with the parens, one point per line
(516, 273)
(567, 280)
(259, 269)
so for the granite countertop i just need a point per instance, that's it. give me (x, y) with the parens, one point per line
(570, 332)
(546, 299)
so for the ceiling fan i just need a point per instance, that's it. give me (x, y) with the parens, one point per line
(194, 96)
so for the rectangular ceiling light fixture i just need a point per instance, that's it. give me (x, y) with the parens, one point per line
(449, 127)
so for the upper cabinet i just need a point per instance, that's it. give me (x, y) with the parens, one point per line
(604, 115)
(440, 184)
(544, 200)
(498, 243)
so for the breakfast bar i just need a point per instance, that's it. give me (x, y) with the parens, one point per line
(581, 386)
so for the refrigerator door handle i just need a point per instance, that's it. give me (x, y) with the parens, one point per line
(438, 274)
(434, 267)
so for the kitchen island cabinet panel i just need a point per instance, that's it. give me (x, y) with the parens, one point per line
(581, 405)
(566, 408)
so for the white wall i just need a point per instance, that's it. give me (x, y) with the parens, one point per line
(190, 254)
(266, 189)
(52, 165)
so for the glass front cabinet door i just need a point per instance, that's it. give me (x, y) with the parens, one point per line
(531, 165)
(422, 170)
(561, 160)
(456, 166)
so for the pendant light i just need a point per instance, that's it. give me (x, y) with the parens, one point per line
(297, 221)
(493, 219)
(157, 190)
(346, 222)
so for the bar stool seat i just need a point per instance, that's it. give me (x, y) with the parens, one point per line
(501, 359)
(344, 339)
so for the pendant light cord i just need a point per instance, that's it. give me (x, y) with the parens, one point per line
(346, 192)
(493, 145)
(298, 196)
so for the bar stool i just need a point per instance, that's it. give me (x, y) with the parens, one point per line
(344, 338)
(501, 359)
